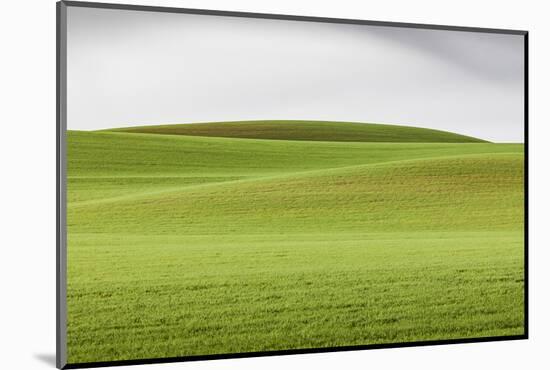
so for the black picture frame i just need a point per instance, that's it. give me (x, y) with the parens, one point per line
(61, 183)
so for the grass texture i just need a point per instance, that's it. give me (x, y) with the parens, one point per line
(184, 245)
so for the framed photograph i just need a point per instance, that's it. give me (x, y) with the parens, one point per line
(236, 184)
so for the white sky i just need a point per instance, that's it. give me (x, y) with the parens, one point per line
(128, 68)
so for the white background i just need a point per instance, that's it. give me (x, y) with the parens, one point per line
(27, 206)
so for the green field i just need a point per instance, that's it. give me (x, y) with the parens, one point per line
(210, 238)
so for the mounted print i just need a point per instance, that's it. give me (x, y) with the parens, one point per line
(237, 184)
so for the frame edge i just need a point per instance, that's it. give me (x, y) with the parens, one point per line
(288, 17)
(526, 184)
(61, 234)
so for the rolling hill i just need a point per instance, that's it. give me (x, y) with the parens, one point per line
(307, 130)
(186, 245)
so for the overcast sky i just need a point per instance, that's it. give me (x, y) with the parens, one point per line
(128, 68)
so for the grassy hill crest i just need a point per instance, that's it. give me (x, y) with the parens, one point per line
(307, 130)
